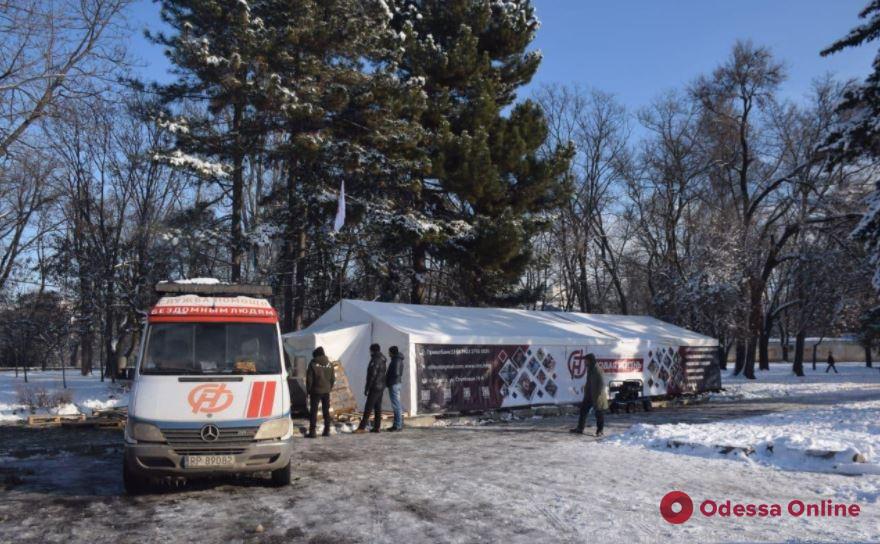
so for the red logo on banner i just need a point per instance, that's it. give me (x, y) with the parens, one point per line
(684, 502)
(209, 398)
(577, 364)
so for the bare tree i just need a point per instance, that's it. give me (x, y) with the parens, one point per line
(51, 51)
(590, 235)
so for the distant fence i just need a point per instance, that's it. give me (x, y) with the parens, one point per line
(844, 349)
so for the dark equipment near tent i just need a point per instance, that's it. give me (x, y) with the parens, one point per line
(628, 395)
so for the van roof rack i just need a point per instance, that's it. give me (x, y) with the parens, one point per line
(212, 289)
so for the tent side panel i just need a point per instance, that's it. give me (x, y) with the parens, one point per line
(702, 368)
(410, 393)
(462, 377)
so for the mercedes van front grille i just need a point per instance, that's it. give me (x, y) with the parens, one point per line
(231, 440)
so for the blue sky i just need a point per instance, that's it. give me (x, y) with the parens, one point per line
(637, 49)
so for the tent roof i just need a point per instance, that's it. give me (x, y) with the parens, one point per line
(633, 327)
(298, 339)
(452, 324)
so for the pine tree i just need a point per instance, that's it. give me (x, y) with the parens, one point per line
(343, 115)
(858, 139)
(488, 188)
(217, 53)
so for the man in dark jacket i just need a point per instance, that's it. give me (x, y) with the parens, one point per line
(595, 397)
(831, 364)
(392, 380)
(319, 382)
(373, 389)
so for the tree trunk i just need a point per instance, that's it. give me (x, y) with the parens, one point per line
(764, 350)
(740, 357)
(751, 349)
(74, 349)
(725, 353)
(783, 340)
(868, 360)
(101, 356)
(109, 351)
(236, 240)
(815, 352)
(299, 302)
(798, 366)
(85, 352)
(288, 261)
(754, 327)
(420, 269)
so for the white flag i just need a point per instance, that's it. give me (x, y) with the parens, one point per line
(340, 209)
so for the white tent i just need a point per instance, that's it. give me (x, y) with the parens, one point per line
(481, 358)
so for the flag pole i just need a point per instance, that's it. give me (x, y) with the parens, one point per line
(338, 223)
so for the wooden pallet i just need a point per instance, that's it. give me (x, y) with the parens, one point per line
(120, 412)
(96, 423)
(342, 399)
(356, 416)
(52, 420)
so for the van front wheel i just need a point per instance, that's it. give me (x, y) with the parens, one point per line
(281, 476)
(133, 483)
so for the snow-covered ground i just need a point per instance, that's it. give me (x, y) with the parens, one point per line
(525, 480)
(819, 439)
(87, 393)
(780, 382)
(528, 481)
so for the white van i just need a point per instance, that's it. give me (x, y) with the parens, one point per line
(210, 390)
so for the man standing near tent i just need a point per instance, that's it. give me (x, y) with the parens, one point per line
(394, 376)
(595, 397)
(373, 389)
(319, 383)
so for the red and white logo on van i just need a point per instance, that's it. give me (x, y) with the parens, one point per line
(260, 399)
(209, 398)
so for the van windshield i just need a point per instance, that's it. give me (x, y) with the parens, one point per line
(211, 348)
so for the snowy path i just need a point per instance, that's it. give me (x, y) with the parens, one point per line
(526, 481)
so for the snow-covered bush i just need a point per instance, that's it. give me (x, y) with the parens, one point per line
(34, 397)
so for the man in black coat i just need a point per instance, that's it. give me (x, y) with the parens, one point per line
(595, 397)
(373, 389)
(393, 379)
(319, 382)
(831, 364)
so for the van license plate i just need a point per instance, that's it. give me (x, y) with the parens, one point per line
(197, 461)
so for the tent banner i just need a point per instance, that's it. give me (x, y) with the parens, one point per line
(458, 377)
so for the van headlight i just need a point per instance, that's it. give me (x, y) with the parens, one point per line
(274, 428)
(144, 432)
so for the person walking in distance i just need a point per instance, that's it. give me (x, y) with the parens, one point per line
(595, 397)
(831, 365)
(392, 380)
(319, 382)
(373, 390)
